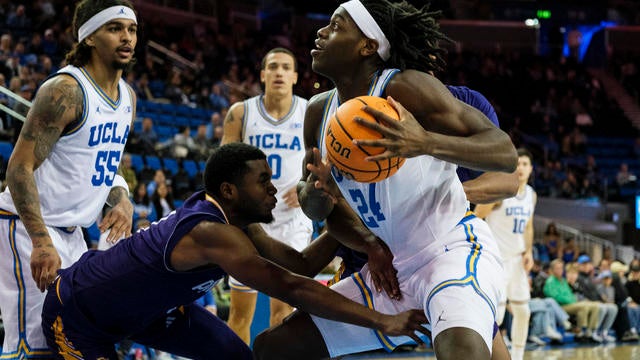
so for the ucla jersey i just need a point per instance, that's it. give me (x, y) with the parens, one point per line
(508, 222)
(90, 150)
(137, 272)
(413, 210)
(283, 142)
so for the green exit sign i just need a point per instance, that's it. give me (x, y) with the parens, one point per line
(543, 14)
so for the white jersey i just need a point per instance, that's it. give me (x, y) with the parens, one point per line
(414, 210)
(283, 142)
(75, 179)
(508, 222)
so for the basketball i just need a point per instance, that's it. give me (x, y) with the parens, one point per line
(350, 158)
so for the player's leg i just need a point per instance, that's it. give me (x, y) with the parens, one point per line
(242, 306)
(275, 343)
(66, 332)
(279, 311)
(499, 349)
(192, 331)
(462, 288)
(519, 295)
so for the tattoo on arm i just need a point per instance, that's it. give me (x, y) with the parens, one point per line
(116, 195)
(26, 200)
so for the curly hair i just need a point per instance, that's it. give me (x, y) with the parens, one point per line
(228, 163)
(414, 34)
(80, 54)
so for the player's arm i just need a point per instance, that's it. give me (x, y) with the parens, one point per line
(320, 198)
(309, 262)
(435, 123)
(316, 203)
(527, 258)
(119, 216)
(58, 103)
(229, 248)
(483, 210)
(233, 123)
(490, 187)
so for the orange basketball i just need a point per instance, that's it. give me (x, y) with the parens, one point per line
(350, 158)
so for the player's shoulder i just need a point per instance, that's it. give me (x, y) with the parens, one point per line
(60, 86)
(237, 109)
(410, 82)
(319, 100)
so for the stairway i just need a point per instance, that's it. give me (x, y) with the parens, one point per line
(615, 90)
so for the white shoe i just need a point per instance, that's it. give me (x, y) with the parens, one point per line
(595, 337)
(567, 325)
(608, 338)
(536, 340)
(553, 334)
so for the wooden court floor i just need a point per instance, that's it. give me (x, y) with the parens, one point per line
(583, 352)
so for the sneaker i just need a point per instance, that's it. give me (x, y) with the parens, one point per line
(608, 338)
(536, 340)
(567, 325)
(595, 337)
(629, 336)
(553, 334)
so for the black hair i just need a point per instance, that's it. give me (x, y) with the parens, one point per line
(228, 163)
(279, 50)
(525, 152)
(80, 54)
(414, 34)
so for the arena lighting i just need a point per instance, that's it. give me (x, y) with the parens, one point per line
(543, 14)
(532, 22)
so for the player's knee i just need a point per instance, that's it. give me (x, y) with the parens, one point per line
(460, 343)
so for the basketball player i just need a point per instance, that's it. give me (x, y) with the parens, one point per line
(63, 169)
(446, 259)
(274, 123)
(154, 276)
(511, 222)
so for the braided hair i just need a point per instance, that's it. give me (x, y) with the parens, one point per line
(414, 34)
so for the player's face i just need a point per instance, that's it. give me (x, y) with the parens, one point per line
(524, 168)
(337, 45)
(115, 42)
(279, 73)
(257, 193)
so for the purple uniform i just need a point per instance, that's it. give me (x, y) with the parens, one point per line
(131, 291)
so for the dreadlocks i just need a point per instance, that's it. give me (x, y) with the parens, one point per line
(414, 34)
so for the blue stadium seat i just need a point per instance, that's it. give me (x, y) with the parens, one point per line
(202, 165)
(6, 148)
(153, 162)
(170, 165)
(190, 167)
(137, 163)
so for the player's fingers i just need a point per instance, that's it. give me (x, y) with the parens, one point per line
(106, 222)
(385, 128)
(396, 105)
(383, 156)
(380, 116)
(416, 338)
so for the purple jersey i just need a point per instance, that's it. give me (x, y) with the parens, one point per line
(136, 274)
(478, 101)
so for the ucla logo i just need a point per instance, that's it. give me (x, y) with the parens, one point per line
(339, 149)
(107, 133)
(275, 141)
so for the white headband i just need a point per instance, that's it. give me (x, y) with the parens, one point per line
(103, 17)
(368, 26)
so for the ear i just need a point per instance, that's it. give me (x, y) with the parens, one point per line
(262, 76)
(369, 47)
(295, 77)
(228, 191)
(89, 41)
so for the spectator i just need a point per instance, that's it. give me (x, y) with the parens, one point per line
(624, 176)
(19, 23)
(218, 100)
(182, 145)
(202, 145)
(147, 139)
(570, 250)
(142, 206)
(216, 120)
(552, 241)
(128, 173)
(163, 201)
(158, 178)
(586, 312)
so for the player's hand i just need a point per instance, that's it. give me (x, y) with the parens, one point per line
(406, 323)
(527, 261)
(45, 263)
(290, 198)
(404, 138)
(119, 220)
(321, 175)
(383, 274)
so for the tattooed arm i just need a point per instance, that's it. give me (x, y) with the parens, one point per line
(58, 102)
(233, 124)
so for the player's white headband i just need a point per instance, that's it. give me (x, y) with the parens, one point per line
(103, 17)
(368, 26)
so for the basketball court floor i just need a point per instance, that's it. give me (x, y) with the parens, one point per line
(567, 352)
